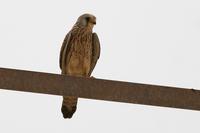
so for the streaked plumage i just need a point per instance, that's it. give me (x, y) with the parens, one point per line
(78, 56)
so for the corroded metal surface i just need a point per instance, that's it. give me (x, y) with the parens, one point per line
(100, 89)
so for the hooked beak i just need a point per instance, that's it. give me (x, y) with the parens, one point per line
(93, 21)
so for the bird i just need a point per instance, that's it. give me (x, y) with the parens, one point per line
(79, 53)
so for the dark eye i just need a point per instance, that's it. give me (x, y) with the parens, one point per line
(87, 19)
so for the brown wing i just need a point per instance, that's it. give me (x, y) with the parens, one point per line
(64, 52)
(95, 51)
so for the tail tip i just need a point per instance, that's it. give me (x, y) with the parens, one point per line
(68, 113)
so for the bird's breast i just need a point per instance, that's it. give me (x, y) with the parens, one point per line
(82, 45)
(81, 55)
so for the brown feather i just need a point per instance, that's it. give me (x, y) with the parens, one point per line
(78, 56)
(96, 49)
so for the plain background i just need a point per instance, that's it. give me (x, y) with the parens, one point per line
(145, 41)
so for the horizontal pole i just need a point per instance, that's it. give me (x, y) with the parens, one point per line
(100, 89)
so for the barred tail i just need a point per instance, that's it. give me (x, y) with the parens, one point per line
(69, 106)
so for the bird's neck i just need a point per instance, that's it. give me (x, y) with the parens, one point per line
(88, 28)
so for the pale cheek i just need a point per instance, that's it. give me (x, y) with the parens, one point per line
(84, 22)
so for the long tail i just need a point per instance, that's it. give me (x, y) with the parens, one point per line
(69, 106)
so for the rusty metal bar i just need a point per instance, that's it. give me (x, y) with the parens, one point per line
(100, 89)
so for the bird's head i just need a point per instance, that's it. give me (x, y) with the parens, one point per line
(86, 21)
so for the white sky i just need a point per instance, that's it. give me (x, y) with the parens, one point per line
(145, 41)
